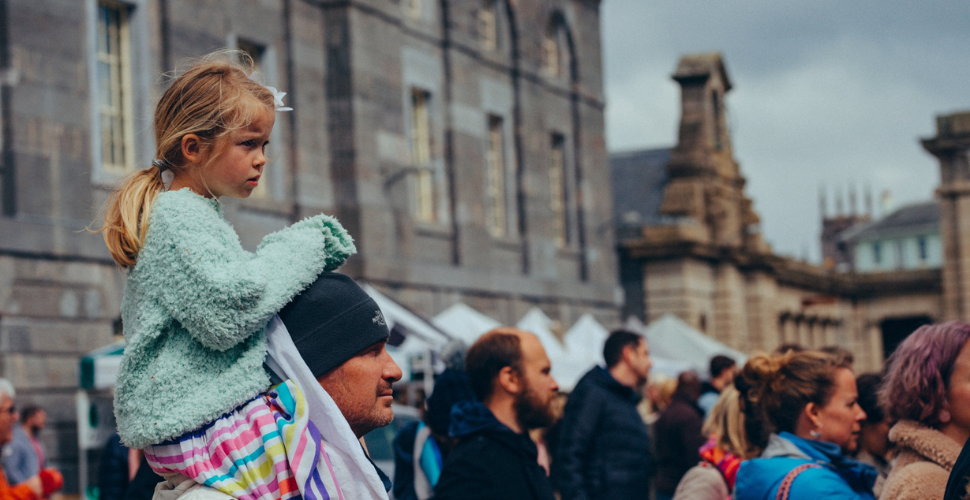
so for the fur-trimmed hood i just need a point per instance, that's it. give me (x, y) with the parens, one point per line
(923, 462)
(928, 443)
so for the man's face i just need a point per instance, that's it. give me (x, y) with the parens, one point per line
(533, 405)
(361, 387)
(8, 417)
(639, 360)
(37, 422)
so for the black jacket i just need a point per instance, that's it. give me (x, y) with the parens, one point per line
(490, 461)
(679, 437)
(603, 450)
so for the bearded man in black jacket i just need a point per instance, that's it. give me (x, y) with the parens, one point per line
(603, 448)
(495, 458)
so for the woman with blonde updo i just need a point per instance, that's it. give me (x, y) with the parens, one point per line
(802, 408)
(714, 477)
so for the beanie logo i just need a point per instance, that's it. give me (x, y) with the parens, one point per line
(379, 319)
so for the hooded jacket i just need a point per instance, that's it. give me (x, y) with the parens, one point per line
(490, 460)
(195, 309)
(603, 448)
(836, 478)
(924, 459)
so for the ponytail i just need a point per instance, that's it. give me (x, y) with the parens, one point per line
(126, 215)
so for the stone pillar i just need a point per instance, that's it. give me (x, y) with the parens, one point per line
(730, 325)
(951, 146)
(684, 287)
(765, 329)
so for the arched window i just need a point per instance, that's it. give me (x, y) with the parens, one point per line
(488, 25)
(552, 50)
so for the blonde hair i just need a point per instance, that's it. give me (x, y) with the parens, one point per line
(726, 424)
(211, 99)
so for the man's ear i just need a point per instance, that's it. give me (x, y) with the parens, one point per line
(192, 148)
(509, 380)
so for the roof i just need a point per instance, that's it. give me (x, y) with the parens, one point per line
(701, 66)
(639, 178)
(919, 218)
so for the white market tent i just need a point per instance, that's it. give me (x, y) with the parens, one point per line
(567, 366)
(422, 338)
(536, 322)
(584, 340)
(464, 323)
(670, 338)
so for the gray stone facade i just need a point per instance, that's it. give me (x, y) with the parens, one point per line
(350, 68)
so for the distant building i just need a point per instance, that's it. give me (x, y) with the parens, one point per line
(689, 244)
(908, 238)
(461, 143)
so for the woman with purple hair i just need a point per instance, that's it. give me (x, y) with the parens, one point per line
(927, 392)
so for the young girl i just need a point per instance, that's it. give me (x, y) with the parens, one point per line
(195, 303)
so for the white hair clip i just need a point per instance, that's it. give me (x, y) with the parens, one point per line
(277, 95)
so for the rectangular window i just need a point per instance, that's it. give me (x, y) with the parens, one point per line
(877, 252)
(114, 89)
(495, 204)
(487, 21)
(421, 156)
(557, 189)
(550, 53)
(921, 245)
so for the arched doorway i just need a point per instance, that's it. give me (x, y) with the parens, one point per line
(895, 330)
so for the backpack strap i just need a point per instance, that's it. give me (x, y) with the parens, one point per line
(785, 487)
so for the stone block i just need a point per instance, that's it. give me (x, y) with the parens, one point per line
(41, 371)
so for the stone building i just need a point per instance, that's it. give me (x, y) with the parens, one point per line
(461, 142)
(689, 244)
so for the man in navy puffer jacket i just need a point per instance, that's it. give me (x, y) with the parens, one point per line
(603, 450)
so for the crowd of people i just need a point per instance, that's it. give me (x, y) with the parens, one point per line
(796, 423)
(255, 376)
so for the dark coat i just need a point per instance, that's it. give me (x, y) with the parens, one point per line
(603, 449)
(113, 471)
(679, 438)
(490, 461)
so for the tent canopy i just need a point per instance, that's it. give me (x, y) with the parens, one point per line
(670, 338)
(464, 323)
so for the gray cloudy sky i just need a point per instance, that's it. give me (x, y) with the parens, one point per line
(825, 92)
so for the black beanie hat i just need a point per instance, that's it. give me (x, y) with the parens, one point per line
(332, 321)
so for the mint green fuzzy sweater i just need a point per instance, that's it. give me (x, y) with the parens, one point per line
(194, 310)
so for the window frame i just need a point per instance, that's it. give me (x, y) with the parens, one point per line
(496, 190)
(421, 132)
(138, 81)
(559, 189)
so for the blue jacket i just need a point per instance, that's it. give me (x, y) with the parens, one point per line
(19, 458)
(490, 461)
(838, 478)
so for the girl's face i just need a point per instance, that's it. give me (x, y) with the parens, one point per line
(237, 170)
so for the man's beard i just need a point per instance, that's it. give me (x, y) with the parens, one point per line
(532, 412)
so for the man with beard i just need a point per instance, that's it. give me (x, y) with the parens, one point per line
(333, 334)
(604, 449)
(495, 458)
